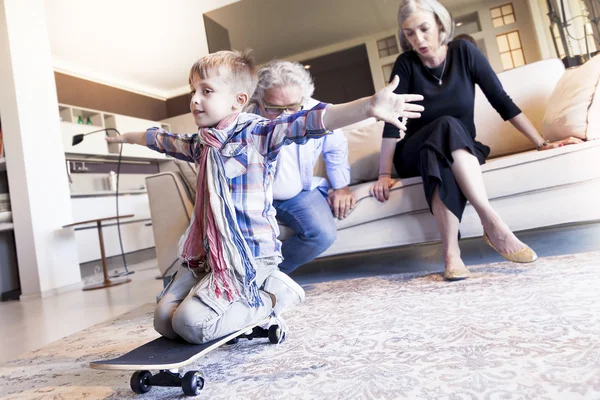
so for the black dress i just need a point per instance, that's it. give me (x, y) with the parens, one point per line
(447, 124)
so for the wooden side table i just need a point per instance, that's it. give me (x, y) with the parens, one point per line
(107, 282)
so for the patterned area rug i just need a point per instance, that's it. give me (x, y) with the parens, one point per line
(510, 332)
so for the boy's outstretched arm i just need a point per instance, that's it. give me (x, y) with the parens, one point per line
(183, 147)
(129, 137)
(384, 105)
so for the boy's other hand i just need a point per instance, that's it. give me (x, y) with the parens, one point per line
(388, 106)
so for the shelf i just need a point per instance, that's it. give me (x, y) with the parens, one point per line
(95, 118)
(96, 144)
(104, 193)
(6, 226)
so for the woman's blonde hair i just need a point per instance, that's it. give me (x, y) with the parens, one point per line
(441, 14)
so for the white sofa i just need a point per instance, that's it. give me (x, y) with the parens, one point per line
(529, 189)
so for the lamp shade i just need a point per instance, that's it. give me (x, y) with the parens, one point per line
(77, 139)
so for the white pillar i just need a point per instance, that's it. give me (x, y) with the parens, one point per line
(541, 25)
(39, 189)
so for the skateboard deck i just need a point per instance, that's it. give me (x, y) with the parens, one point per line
(164, 353)
(168, 356)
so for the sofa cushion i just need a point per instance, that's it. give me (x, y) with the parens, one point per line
(530, 88)
(537, 170)
(574, 107)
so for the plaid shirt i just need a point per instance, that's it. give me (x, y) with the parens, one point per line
(249, 154)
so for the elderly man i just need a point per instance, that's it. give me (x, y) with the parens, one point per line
(302, 200)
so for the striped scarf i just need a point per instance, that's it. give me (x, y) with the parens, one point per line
(214, 236)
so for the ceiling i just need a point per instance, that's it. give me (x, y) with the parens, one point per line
(147, 46)
(283, 31)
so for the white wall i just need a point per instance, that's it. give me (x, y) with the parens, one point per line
(182, 123)
(488, 33)
(370, 43)
(35, 160)
(524, 23)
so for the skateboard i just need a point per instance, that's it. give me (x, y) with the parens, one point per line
(168, 356)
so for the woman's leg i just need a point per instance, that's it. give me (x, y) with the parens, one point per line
(448, 226)
(467, 173)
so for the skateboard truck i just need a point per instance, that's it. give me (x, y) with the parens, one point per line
(273, 333)
(191, 383)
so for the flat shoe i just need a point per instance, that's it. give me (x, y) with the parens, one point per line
(525, 255)
(456, 273)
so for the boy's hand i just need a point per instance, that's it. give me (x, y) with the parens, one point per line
(116, 139)
(129, 137)
(388, 106)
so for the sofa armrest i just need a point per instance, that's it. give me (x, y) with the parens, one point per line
(171, 210)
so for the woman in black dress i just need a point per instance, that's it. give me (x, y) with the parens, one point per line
(440, 146)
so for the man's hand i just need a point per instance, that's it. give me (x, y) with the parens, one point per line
(388, 106)
(341, 202)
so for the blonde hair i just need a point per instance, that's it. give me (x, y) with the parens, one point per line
(441, 14)
(237, 67)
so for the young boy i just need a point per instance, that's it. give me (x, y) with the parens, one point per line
(230, 249)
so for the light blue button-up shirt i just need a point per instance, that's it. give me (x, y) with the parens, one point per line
(296, 163)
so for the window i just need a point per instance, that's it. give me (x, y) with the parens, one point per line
(387, 46)
(387, 72)
(511, 50)
(503, 15)
(558, 42)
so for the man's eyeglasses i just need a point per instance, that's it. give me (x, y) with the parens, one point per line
(276, 110)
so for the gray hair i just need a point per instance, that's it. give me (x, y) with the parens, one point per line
(441, 14)
(283, 73)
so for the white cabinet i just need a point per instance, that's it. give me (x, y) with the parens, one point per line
(136, 234)
(76, 120)
(131, 124)
(182, 123)
(91, 145)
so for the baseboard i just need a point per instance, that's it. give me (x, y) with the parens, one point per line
(116, 262)
(53, 292)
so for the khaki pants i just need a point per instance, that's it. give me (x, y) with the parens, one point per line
(186, 310)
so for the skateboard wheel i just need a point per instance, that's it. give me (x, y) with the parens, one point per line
(140, 382)
(275, 334)
(192, 383)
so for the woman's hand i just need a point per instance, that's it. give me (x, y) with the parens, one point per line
(388, 106)
(561, 143)
(381, 189)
